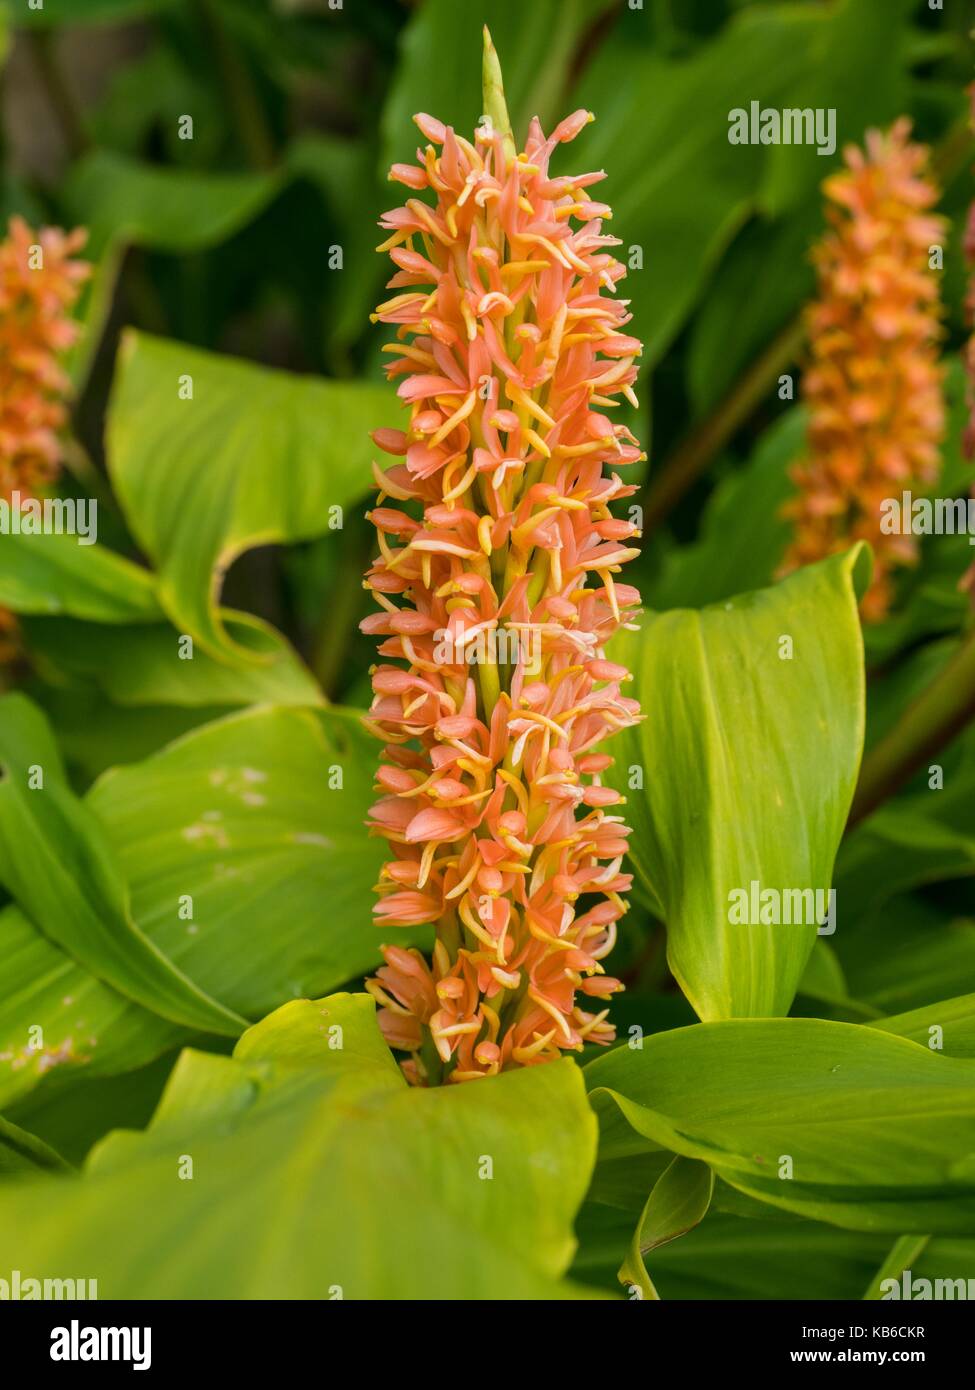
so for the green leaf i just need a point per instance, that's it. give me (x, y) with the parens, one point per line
(52, 574)
(21, 1152)
(95, 735)
(354, 1185)
(259, 819)
(947, 1026)
(879, 1133)
(87, 1028)
(254, 826)
(749, 763)
(123, 202)
(337, 1034)
(734, 1257)
(57, 864)
(679, 1200)
(255, 457)
(143, 665)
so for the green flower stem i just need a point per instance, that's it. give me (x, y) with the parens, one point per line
(929, 724)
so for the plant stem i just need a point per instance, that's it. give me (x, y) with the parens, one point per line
(928, 724)
(692, 456)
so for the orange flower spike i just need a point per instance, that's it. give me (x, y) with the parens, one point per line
(873, 383)
(969, 356)
(967, 582)
(496, 580)
(39, 283)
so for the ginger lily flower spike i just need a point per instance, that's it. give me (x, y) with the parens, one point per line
(496, 585)
(874, 383)
(39, 283)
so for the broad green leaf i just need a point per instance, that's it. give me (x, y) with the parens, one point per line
(248, 866)
(51, 574)
(57, 863)
(678, 1201)
(123, 201)
(255, 457)
(96, 735)
(354, 1185)
(728, 1257)
(440, 65)
(259, 819)
(948, 1026)
(334, 1035)
(838, 1122)
(733, 1257)
(749, 751)
(145, 665)
(204, 1089)
(86, 1028)
(21, 1152)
